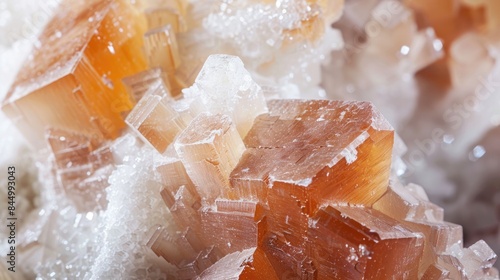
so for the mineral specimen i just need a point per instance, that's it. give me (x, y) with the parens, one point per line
(290, 199)
(212, 181)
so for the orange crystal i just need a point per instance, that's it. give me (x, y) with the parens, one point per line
(73, 80)
(358, 243)
(155, 121)
(313, 150)
(210, 148)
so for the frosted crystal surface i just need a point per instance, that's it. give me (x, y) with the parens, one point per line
(226, 87)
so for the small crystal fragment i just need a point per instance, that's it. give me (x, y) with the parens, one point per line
(69, 149)
(161, 49)
(359, 243)
(155, 122)
(251, 263)
(139, 84)
(233, 225)
(210, 148)
(159, 17)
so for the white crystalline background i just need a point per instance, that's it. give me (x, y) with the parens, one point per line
(256, 32)
(134, 209)
(458, 164)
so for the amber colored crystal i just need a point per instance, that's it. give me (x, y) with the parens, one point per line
(288, 260)
(435, 272)
(69, 149)
(184, 206)
(313, 151)
(453, 21)
(82, 171)
(155, 121)
(161, 48)
(205, 259)
(210, 148)
(178, 248)
(359, 243)
(73, 81)
(173, 175)
(243, 223)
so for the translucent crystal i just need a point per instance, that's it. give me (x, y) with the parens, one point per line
(179, 249)
(88, 195)
(73, 81)
(410, 206)
(247, 264)
(305, 195)
(161, 49)
(203, 261)
(69, 149)
(210, 148)
(243, 221)
(155, 122)
(361, 243)
(173, 175)
(159, 17)
(141, 83)
(282, 144)
(184, 205)
(226, 87)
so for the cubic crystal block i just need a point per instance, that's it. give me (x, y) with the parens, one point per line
(210, 148)
(69, 149)
(155, 122)
(82, 171)
(73, 81)
(188, 108)
(233, 225)
(159, 17)
(146, 81)
(474, 262)
(226, 87)
(173, 175)
(435, 272)
(359, 243)
(410, 206)
(184, 207)
(313, 150)
(305, 195)
(178, 248)
(161, 49)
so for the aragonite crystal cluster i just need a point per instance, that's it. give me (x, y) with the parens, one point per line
(158, 159)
